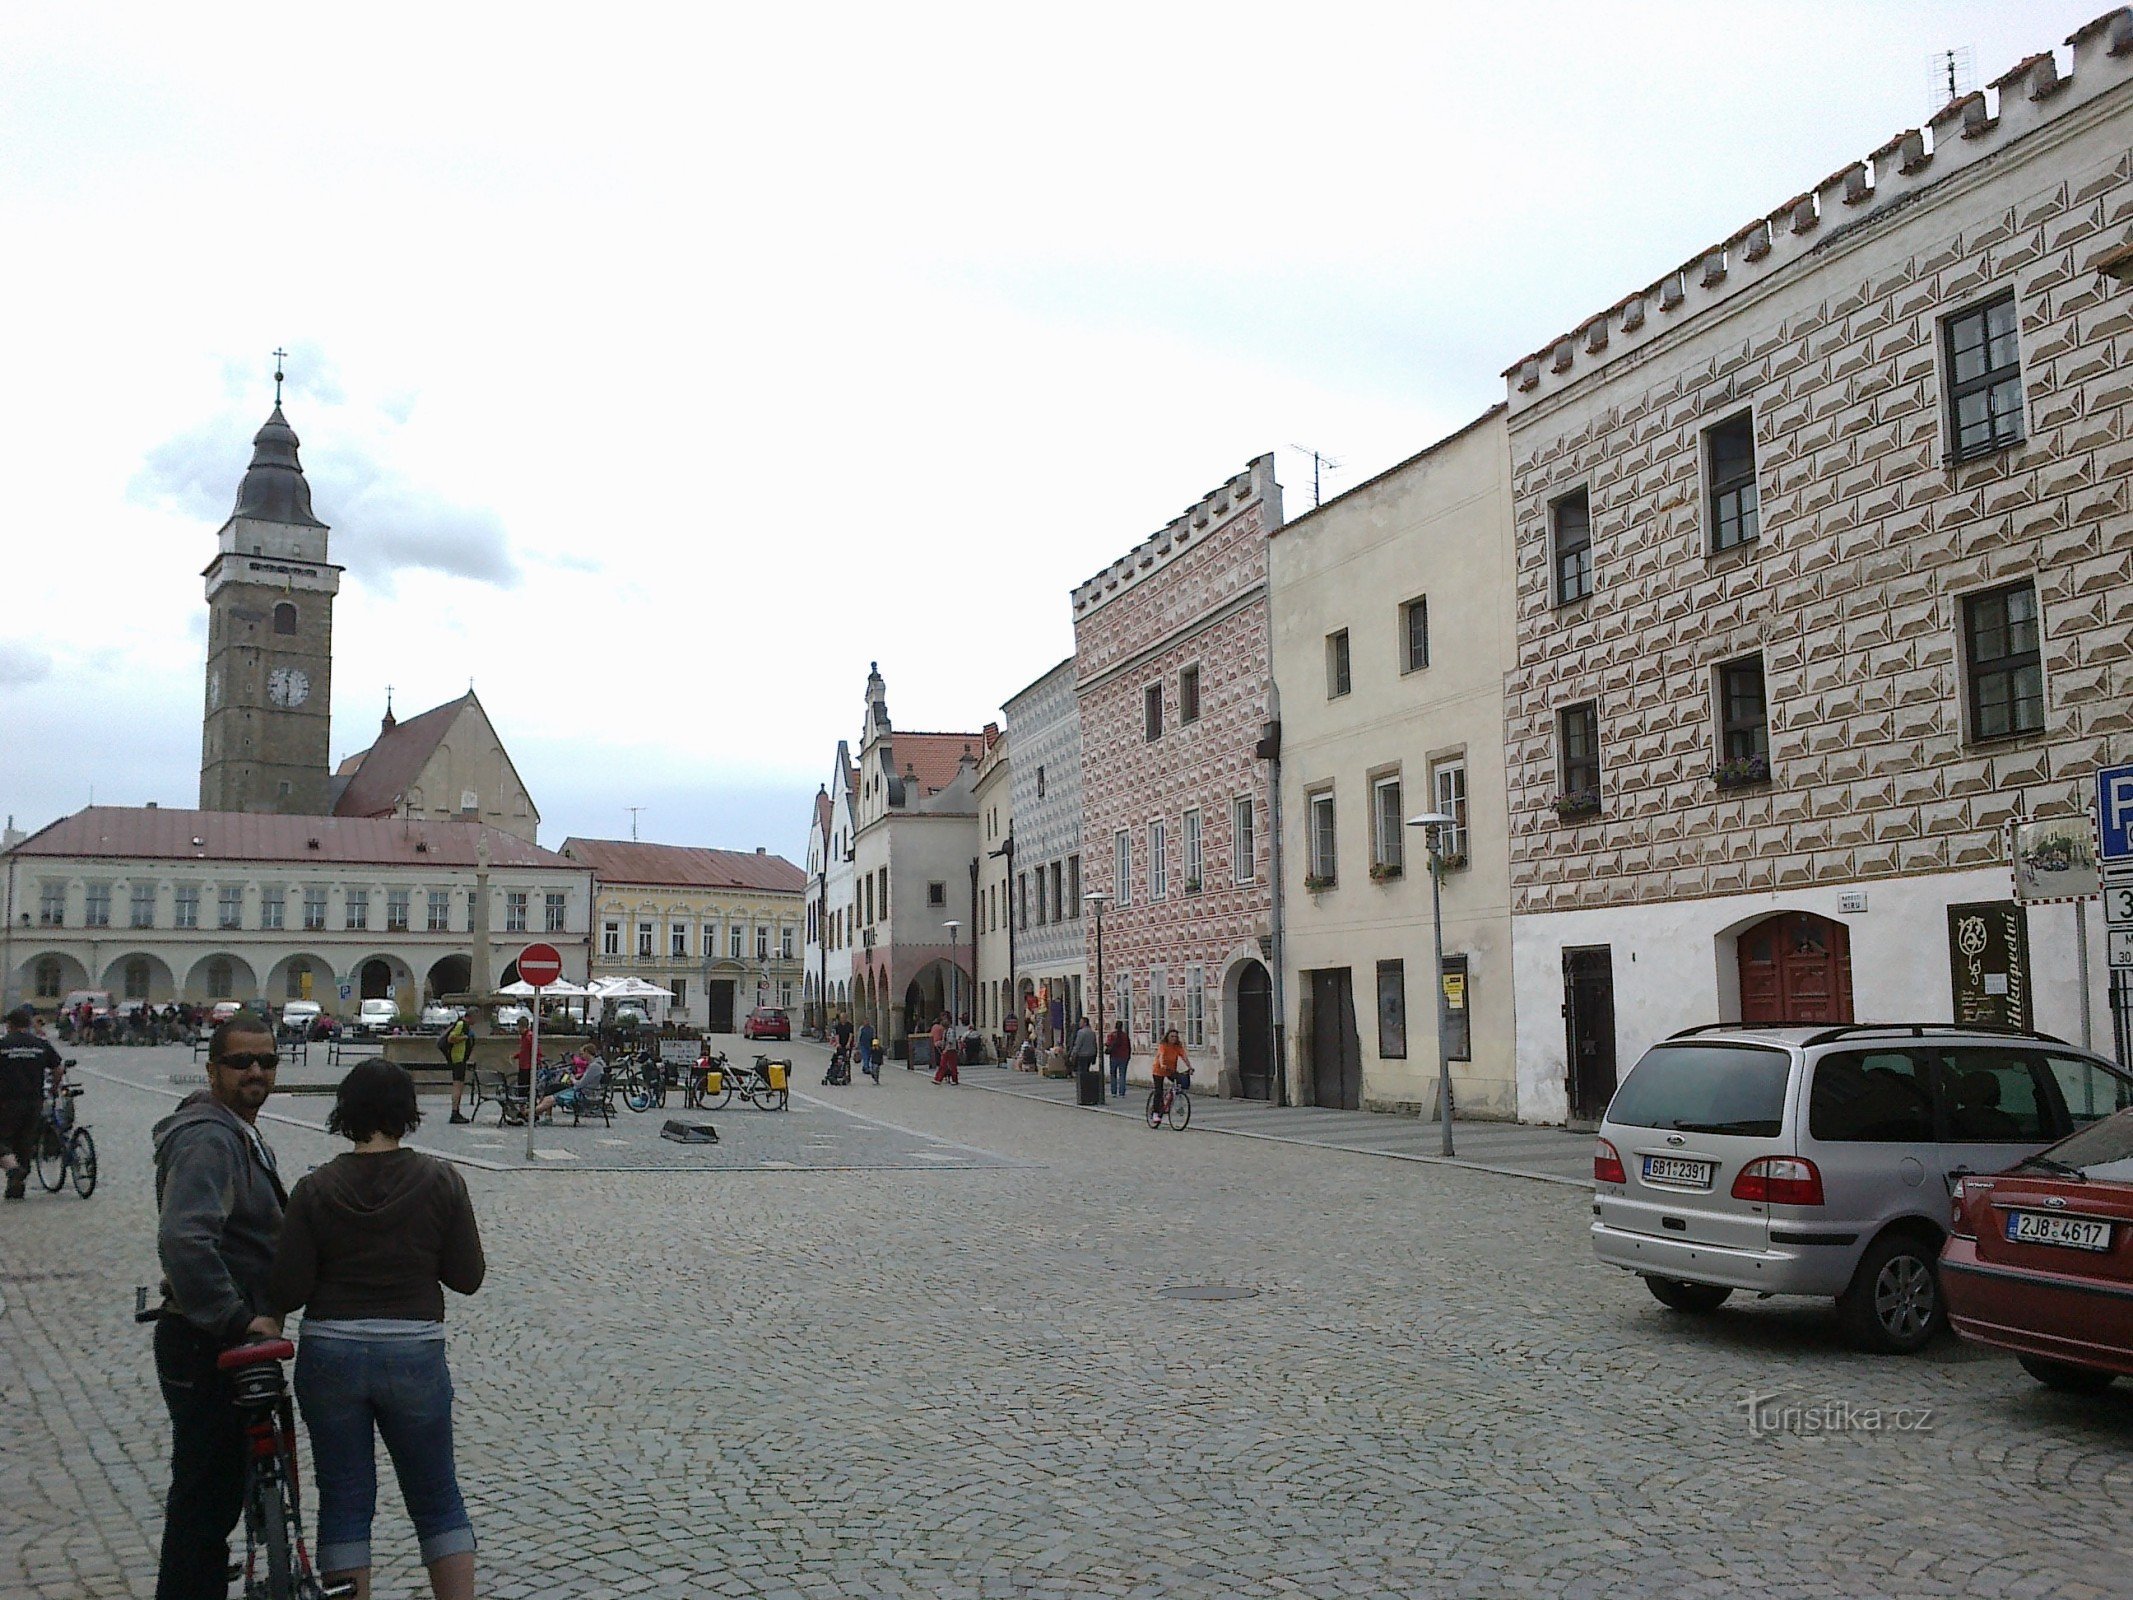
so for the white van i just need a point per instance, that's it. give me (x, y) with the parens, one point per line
(377, 1016)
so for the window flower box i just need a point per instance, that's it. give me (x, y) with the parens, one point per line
(1192, 885)
(1386, 871)
(1578, 803)
(1314, 882)
(1742, 772)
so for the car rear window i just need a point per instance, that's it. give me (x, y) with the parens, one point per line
(1706, 1088)
(2102, 1150)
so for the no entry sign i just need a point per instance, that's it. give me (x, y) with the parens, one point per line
(539, 965)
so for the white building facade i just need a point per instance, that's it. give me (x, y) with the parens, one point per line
(1051, 953)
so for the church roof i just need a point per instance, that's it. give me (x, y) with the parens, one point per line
(274, 489)
(378, 777)
(685, 866)
(154, 833)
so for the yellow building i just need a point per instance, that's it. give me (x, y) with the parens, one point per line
(722, 929)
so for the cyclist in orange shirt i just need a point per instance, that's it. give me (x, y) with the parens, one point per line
(1169, 1062)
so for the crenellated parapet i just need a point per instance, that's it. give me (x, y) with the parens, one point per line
(1184, 532)
(1970, 129)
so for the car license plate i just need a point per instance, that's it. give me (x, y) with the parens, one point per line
(1678, 1171)
(2076, 1233)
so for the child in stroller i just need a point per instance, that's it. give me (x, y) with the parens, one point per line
(840, 1067)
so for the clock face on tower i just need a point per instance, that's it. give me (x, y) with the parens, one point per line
(288, 686)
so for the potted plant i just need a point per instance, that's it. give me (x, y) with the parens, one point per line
(1386, 871)
(1577, 803)
(1192, 885)
(1314, 881)
(1742, 771)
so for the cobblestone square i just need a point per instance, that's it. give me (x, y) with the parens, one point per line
(916, 1341)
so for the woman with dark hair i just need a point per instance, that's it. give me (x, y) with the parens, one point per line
(369, 1243)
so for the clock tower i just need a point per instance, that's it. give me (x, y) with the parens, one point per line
(264, 741)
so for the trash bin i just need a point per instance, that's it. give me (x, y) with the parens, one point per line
(1091, 1086)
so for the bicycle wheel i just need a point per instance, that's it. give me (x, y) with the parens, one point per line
(81, 1156)
(268, 1525)
(773, 1099)
(51, 1159)
(636, 1089)
(721, 1100)
(1180, 1110)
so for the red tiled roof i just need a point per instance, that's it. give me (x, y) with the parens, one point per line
(384, 771)
(154, 833)
(935, 756)
(685, 866)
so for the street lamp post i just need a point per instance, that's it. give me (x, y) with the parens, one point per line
(1433, 824)
(955, 947)
(1099, 899)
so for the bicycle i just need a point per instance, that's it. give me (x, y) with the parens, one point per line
(751, 1083)
(64, 1148)
(1176, 1108)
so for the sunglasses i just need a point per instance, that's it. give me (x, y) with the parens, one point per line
(244, 1063)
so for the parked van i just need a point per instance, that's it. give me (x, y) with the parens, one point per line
(377, 1016)
(1820, 1161)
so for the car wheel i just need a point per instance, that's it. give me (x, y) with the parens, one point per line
(1893, 1306)
(2065, 1377)
(1696, 1297)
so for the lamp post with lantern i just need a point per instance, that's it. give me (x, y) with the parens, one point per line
(1100, 898)
(1433, 824)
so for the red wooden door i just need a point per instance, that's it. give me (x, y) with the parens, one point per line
(1795, 968)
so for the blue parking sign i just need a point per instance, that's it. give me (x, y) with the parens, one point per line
(346, 990)
(2114, 812)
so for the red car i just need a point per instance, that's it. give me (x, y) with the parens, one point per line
(767, 1022)
(2040, 1259)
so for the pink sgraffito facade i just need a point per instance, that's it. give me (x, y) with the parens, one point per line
(1182, 618)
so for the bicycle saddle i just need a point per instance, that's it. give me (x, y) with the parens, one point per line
(251, 1355)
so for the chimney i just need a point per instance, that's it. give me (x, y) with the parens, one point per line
(759, 850)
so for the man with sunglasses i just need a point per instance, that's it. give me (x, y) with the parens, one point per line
(220, 1199)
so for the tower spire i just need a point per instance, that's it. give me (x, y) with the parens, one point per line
(279, 354)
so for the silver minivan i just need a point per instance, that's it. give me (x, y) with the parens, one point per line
(1820, 1160)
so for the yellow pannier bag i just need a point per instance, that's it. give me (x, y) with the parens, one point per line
(777, 1075)
(714, 1082)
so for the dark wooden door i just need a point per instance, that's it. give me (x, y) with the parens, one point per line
(1336, 1053)
(1255, 1033)
(1589, 1021)
(719, 997)
(1795, 968)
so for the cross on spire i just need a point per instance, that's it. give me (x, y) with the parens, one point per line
(279, 355)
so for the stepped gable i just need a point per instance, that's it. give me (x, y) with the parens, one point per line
(1968, 130)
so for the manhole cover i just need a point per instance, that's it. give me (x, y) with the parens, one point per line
(1205, 1291)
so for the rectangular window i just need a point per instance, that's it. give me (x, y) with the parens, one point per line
(735, 946)
(883, 875)
(785, 991)
(1059, 891)
(936, 894)
(143, 907)
(555, 912)
(1158, 859)
(644, 941)
(1984, 367)
(1037, 878)
(680, 986)
(356, 906)
(1392, 1010)
(1414, 634)
(1195, 852)
(1022, 900)
(1123, 1004)
(1195, 1008)
(396, 910)
(785, 943)
(1188, 695)
(96, 905)
(1323, 861)
(1073, 886)
(273, 906)
(1448, 780)
(1152, 710)
(1338, 680)
(314, 909)
(1570, 524)
(51, 905)
(1122, 868)
(1388, 844)
(1243, 840)
(472, 907)
(710, 941)
(1158, 1003)
(1729, 476)
(1743, 723)
(185, 909)
(610, 938)
(229, 906)
(1578, 762)
(515, 910)
(440, 911)
(678, 941)
(762, 941)
(2000, 647)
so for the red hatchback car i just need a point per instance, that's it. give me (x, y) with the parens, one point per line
(2040, 1259)
(767, 1022)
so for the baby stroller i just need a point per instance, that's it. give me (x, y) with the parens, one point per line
(840, 1068)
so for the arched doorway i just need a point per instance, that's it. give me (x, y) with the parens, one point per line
(1255, 1033)
(377, 980)
(1795, 967)
(449, 975)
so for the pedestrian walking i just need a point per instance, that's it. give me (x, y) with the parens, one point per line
(1086, 1049)
(29, 1070)
(219, 1199)
(1118, 1049)
(371, 1241)
(870, 1052)
(456, 1045)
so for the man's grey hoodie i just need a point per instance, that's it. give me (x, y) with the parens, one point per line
(221, 1211)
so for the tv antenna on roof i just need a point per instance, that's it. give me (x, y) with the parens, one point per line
(1317, 461)
(633, 810)
(1951, 74)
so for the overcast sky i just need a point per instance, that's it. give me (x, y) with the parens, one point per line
(659, 368)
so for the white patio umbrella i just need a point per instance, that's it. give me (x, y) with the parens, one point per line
(559, 990)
